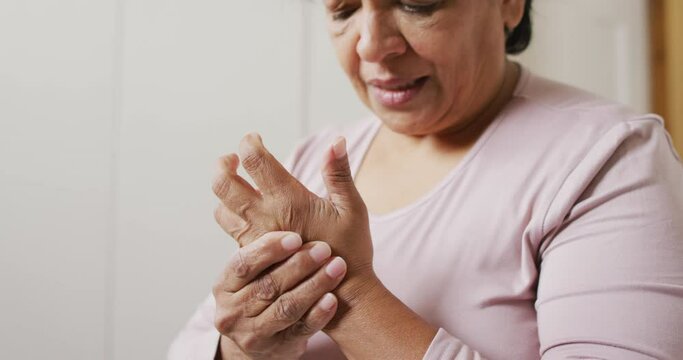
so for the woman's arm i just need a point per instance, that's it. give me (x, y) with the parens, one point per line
(371, 322)
(375, 324)
(611, 280)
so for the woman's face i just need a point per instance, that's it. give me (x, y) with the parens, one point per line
(423, 66)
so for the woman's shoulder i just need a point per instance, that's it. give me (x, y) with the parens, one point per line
(571, 120)
(559, 101)
(582, 149)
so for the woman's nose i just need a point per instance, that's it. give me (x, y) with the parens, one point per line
(379, 38)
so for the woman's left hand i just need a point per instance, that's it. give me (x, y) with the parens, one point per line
(282, 203)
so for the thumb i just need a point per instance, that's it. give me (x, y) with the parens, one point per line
(338, 179)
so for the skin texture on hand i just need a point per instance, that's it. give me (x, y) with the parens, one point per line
(274, 295)
(282, 203)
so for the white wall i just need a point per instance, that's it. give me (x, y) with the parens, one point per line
(56, 115)
(113, 112)
(601, 46)
(197, 75)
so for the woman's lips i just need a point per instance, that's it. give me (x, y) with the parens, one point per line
(394, 93)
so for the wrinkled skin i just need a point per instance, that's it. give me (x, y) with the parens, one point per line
(282, 203)
(272, 297)
(287, 315)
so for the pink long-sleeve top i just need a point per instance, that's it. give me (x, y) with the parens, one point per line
(559, 236)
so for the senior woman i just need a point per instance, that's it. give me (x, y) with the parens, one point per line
(482, 212)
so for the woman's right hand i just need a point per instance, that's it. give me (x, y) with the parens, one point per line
(274, 295)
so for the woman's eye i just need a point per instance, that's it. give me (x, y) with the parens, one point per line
(343, 14)
(424, 9)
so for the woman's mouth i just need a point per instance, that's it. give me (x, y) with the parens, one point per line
(396, 92)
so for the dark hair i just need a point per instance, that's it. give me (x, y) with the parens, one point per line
(519, 38)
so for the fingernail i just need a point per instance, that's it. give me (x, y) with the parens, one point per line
(291, 242)
(327, 302)
(339, 148)
(320, 252)
(336, 268)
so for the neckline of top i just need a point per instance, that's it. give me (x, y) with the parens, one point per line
(374, 127)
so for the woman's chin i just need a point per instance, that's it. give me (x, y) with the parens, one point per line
(407, 123)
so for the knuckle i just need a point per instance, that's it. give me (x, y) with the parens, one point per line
(249, 342)
(266, 288)
(302, 262)
(232, 226)
(245, 208)
(339, 174)
(239, 267)
(300, 328)
(318, 282)
(254, 160)
(266, 243)
(307, 246)
(224, 321)
(221, 185)
(217, 290)
(218, 214)
(244, 234)
(287, 309)
(268, 240)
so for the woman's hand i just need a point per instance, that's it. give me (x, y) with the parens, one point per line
(370, 321)
(275, 294)
(283, 203)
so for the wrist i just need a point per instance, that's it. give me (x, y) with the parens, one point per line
(360, 289)
(228, 350)
(357, 296)
(370, 317)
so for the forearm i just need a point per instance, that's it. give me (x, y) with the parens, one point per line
(374, 324)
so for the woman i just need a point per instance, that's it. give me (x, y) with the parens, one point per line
(483, 212)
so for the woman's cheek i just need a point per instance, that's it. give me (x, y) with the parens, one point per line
(345, 49)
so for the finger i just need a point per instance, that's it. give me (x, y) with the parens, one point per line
(229, 163)
(232, 224)
(235, 226)
(268, 174)
(338, 178)
(250, 261)
(265, 289)
(292, 305)
(233, 191)
(315, 320)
